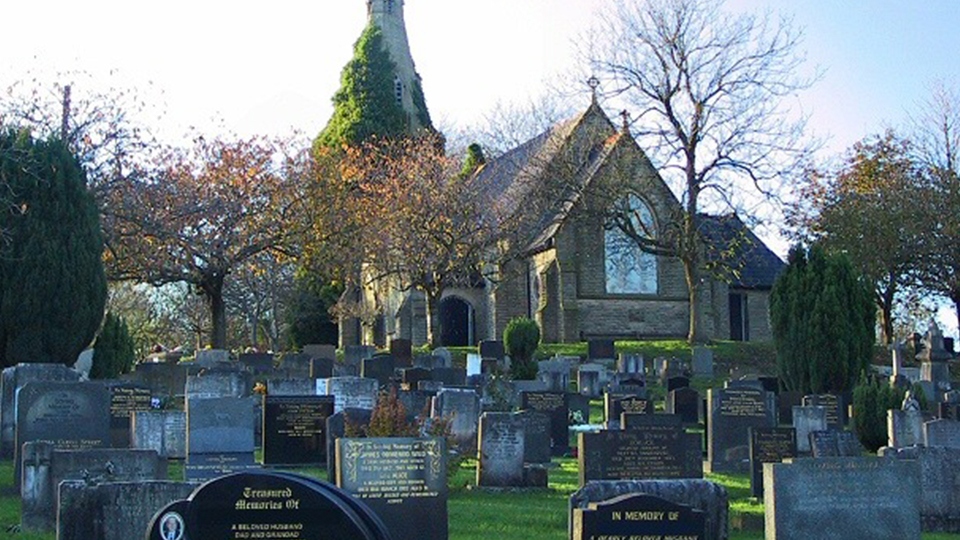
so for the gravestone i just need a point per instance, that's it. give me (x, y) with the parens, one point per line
(321, 368)
(638, 516)
(44, 468)
(269, 505)
(320, 351)
(338, 424)
(491, 349)
(555, 373)
(536, 436)
(12, 380)
(631, 364)
(449, 376)
(806, 420)
(835, 443)
(641, 421)
(614, 405)
(554, 405)
(91, 511)
(474, 364)
(684, 402)
(256, 363)
(676, 383)
(600, 349)
(164, 431)
(402, 352)
(769, 445)
(294, 429)
(445, 356)
(702, 362)
(463, 406)
(654, 452)
(832, 404)
(579, 407)
(904, 428)
(588, 380)
(125, 399)
(708, 497)
(668, 367)
(219, 384)
(166, 381)
(427, 361)
(939, 476)
(70, 415)
(291, 387)
(220, 437)
(379, 368)
(786, 401)
(352, 356)
(842, 498)
(349, 392)
(941, 433)
(417, 402)
(403, 480)
(501, 450)
(212, 357)
(733, 411)
(295, 365)
(409, 377)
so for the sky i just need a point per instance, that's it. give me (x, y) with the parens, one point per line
(272, 67)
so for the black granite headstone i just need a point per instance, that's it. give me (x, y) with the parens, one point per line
(601, 349)
(554, 405)
(615, 404)
(256, 363)
(648, 453)
(836, 416)
(686, 403)
(294, 429)
(321, 368)
(267, 505)
(675, 383)
(380, 367)
(491, 349)
(638, 516)
(769, 445)
(786, 401)
(125, 399)
(402, 352)
(733, 411)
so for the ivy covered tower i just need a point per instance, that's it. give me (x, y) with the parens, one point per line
(380, 92)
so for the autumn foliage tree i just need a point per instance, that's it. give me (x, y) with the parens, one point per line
(416, 222)
(201, 214)
(876, 209)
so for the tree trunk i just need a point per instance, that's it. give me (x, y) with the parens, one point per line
(690, 256)
(692, 274)
(886, 315)
(212, 288)
(433, 317)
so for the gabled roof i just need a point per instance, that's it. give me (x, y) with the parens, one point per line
(508, 180)
(746, 262)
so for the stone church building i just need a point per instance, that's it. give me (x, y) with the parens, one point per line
(578, 276)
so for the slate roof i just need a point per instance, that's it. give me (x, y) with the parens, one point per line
(747, 262)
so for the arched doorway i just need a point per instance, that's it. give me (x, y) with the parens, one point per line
(456, 322)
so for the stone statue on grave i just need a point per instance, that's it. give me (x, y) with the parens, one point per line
(910, 403)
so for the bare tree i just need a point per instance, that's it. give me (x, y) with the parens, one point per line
(707, 88)
(936, 131)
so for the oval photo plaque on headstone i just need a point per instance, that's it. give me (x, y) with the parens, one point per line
(267, 506)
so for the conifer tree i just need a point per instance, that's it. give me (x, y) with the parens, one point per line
(52, 283)
(113, 352)
(822, 317)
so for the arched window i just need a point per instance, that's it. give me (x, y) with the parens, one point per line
(629, 270)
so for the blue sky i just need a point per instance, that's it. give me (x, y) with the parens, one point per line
(271, 67)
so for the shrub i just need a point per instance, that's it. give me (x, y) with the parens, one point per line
(521, 338)
(871, 400)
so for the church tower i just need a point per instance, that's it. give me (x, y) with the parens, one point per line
(388, 16)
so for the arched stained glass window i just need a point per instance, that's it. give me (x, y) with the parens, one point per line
(629, 270)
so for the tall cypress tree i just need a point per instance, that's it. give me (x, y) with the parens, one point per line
(823, 322)
(365, 105)
(52, 283)
(113, 353)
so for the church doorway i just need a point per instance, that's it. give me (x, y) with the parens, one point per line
(456, 322)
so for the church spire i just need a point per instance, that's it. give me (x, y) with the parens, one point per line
(388, 16)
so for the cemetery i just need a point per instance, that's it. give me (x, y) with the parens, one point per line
(378, 338)
(102, 459)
